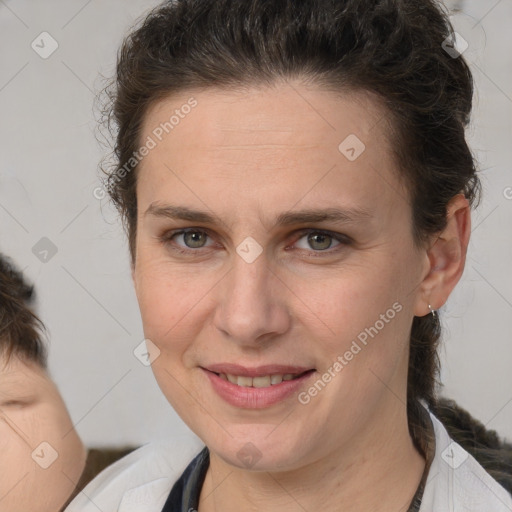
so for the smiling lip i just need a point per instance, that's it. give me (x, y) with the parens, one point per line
(257, 371)
(253, 397)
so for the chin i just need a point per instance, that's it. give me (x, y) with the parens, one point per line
(258, 451)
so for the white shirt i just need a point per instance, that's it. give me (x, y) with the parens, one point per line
(142, 481)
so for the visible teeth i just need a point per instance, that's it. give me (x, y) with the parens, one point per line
(276, 379)
(260, 382)
(244, 381)
(257, 382)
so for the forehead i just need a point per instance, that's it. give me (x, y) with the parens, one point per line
(280, 143)
(16, 371)
(286, 113)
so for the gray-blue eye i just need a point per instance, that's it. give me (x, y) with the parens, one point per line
(193, 238)
(315, 240)
(318, 241)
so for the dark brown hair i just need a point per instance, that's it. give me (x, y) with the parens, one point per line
(391, 48)
(20, 328)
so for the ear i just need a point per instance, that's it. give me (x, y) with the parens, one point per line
(446, 257)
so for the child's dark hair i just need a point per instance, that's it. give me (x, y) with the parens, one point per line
(20, 328)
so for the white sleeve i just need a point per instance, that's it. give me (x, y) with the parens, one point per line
(140, 481)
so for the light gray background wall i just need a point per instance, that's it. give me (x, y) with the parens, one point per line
(48, 174)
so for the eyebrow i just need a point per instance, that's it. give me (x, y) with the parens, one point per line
(287, 218)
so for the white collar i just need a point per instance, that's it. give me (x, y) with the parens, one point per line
(456, 482)
(142, 481)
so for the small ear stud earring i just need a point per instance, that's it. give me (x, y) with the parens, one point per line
(433, 311)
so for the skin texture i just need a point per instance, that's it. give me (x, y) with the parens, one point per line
(32, 412)
(247, 156)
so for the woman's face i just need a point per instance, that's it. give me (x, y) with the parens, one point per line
(261, 285)
(41, 455)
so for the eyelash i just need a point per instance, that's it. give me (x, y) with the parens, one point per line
(344, 240)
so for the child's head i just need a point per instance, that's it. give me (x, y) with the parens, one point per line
(38, 443)
(19, 327)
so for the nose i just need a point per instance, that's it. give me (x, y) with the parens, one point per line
(251, 309)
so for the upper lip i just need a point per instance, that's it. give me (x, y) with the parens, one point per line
(255, 371)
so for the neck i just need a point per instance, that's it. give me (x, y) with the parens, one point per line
(378, 470)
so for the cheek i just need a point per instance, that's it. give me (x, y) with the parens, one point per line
(15, 455)
(170, 300)
(45, 455)
(363, 316)
(344, 301)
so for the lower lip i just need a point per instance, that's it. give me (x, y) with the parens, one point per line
(256, 398)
